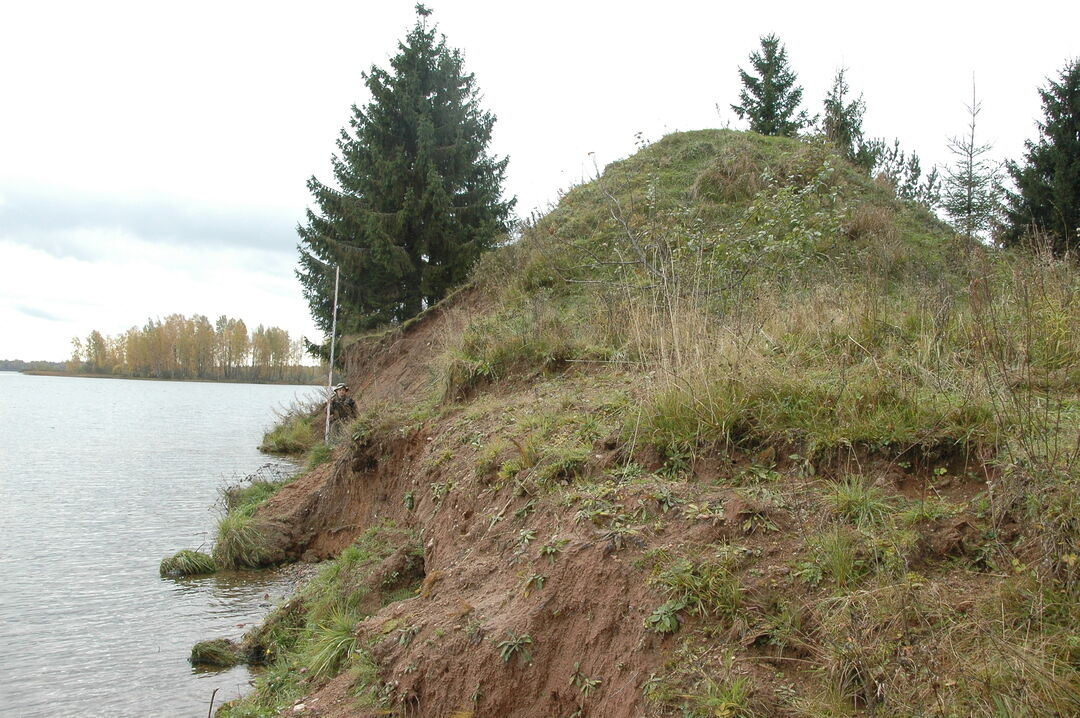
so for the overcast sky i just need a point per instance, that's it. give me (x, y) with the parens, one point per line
(153, 156)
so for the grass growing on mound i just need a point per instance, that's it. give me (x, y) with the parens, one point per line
(318, 455)
(218, 653)
(240, 541)
(187, 563)
(315, 631)
(246, 498)
(294, 433)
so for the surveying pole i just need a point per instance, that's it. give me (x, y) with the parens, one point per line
(330, 375)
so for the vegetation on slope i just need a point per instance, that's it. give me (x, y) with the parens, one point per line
(312, 637)
(838, 444)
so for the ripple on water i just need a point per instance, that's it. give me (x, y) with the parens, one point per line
(101, 480)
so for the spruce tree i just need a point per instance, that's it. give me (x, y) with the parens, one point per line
(842, 124)
(771, 98)
(972, 192)
(1048, 184)
(417, 196)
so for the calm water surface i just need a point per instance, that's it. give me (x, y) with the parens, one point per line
(99, 480)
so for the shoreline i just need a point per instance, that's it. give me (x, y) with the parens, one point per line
(80, 375)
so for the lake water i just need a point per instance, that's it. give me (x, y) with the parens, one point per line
(99, 480)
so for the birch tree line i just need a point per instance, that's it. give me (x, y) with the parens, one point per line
(178, 347)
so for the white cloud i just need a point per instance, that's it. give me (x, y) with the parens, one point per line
(139, 281)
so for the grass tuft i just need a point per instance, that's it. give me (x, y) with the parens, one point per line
(293, 434)
(187, 563)
(218, 653)
(861, 503)
(241, 542)
(332, 640)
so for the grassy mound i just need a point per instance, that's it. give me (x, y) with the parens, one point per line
(294, 433)
(187, 563)
(241, 539)
(836, 443)
(216, 653)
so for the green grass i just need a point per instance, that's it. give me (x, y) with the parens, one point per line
(839, 555)
(701, 587)
(318, 455)
(330, 642)
(187, 563)
(240, 542)
(217, 653)
(860, 503)
(293, 434)
(246, 497)
(315, 630)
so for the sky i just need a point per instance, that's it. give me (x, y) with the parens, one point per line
(154, 156)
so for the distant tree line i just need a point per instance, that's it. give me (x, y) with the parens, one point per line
(178, 347)
(20, 365)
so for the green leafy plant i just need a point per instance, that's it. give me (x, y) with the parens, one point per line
(584, 684)
(515, 645)
(665, 619)
(553, 548)
(534, 582)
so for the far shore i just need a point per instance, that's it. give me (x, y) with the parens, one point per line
(81, 375)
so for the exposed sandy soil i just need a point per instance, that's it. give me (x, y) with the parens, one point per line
(584, 607)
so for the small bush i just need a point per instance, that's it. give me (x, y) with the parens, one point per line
(187, 563)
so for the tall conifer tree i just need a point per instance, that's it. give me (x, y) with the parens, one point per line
(417, 196)
(1048, 184)
(771, 99)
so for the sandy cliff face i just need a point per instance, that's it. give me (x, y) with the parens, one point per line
(500, 565)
